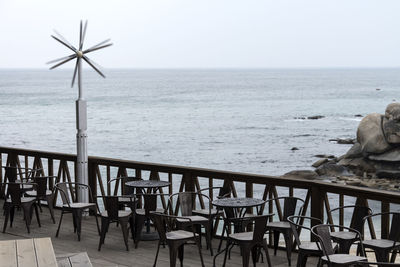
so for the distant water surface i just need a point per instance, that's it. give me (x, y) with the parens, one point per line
(237, 120)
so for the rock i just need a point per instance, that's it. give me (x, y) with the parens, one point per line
(392, 174)
(370, 135)
(392, 155)
(353, 181)
(324, 156)
(358, 165)
(345, 141)
(319, 162)
(391, 130)
(300, 118)
(354, 152)
(303, 174)
(358, 115)
(392, 111)
(317, 117)
(294, 148)
(332, 169)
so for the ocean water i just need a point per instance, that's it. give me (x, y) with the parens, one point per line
(236, 120)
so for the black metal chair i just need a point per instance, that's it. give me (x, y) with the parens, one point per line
(305, 249)
(383, 247)
(113, 214)
(323, 232)
(14, 199)
(43, 193)
(142, 215)
(346, 238)
(174, 237)
(290, 206)
(126, 191)
(71, 205)
(250, 242)
(183, 204)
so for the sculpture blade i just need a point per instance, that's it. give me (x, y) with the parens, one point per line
(62, 62)
(63, 58)
(76, 69)
(83, 35)
(89, 49)
(92, 64)
(80, 36)
(70, 47)
(97, 48)
(63, 39)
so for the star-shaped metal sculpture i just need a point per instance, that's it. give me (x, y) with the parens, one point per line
(79, 54)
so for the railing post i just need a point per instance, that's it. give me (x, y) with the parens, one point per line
(317, 205)
(189, 182)
(92, 179)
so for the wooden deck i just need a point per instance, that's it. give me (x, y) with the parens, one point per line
(113, 252)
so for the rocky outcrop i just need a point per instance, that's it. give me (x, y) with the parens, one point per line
(370, 135)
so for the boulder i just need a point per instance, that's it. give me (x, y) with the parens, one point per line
(319, 162)
(370, 135)
(392, 174)
(357, 165)
(332, 169)
(392, 155)
(303, 174)
(391, 130)
(393, 112)
(354, 152)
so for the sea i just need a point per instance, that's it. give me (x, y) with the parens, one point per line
(242, 120)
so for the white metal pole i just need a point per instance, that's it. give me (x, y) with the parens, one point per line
(81, 138)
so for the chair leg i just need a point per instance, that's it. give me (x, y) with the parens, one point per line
(37, 214)
(59, 223)
(49, 200)
(208, 228)
(7, 214)
(254, 255)
(12, 209)
(27, 216)
(221, 238)
(265, 247)
(123, 222)
(78, 219)
(276, 241)
(245, 256)
(104, 222)
(140, 220)
(288, 240)
(132, 225)
(180, 253)
(393, 257)
(228, 243)
(158, 250)
(301, 259)
(172, 256)
(199, 248)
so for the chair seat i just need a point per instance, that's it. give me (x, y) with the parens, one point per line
(179, 234)
(380, 243)
(244, 236)
(207, 212)
(121, 213)
(33, 193)
(143, 213)
(23, 199)
(344, 235)
(312, 246)
(79, 205)
(343, 258)
(278, 225)
(194, 219)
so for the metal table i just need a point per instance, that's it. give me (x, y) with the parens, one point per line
(148, 187)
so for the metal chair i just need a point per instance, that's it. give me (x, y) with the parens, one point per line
(142, 215)
(183, 204)
(345, 238)
(14, 199)
(250, 242)
(75, 207)
(113, 214)
(323, 232)
(290, 205)
(42, 193)
(126, 191)
(382, 247)
(305, 249)
(174, 237)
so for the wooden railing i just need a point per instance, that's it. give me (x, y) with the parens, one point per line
(318, 195)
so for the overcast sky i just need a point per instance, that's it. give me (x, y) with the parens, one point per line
(206, 33)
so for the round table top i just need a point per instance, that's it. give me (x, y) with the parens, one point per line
(147, 184)
(238, 202)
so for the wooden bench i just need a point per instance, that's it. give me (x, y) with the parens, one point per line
(37, 252)
(76, 260)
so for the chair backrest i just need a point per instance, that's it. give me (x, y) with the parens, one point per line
(223, 192)
(186, 203)
(111, 206)
(394, 233)
(14, 191)
(66, 187)
(63, 189)
(359, 213)
(163, 223)
(290, 206)
(10, 174)
(296, 226)
(126, 190)
(41, 182)
(322, 231)
(260, 227)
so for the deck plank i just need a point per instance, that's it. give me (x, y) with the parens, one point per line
(45, 252)
(26, 253)
(8, 254)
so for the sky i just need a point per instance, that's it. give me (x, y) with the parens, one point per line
(205, 33)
